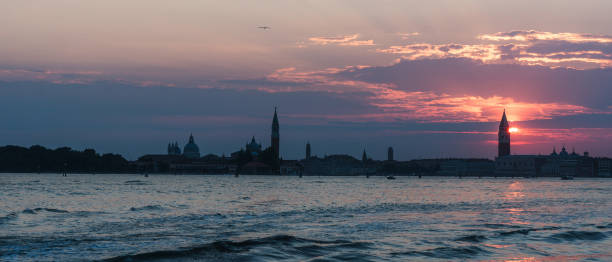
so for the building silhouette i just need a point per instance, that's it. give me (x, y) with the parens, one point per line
(191, 149)
(174, 149)
(503, 136)
(275, 137)
(390, 154)
(307, 150)
(253, 147)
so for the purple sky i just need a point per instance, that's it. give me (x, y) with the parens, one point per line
(429, 78)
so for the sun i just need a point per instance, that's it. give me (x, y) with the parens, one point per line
(513, 130)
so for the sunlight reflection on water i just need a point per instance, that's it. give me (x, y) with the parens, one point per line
(48, 218)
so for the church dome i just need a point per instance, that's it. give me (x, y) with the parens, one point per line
(191, 149)
(563, 152)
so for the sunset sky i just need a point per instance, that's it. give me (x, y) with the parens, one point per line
(430, 78)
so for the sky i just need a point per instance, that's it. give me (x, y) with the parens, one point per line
(429, 78)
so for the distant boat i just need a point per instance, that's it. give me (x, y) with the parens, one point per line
(567, 178)
(390, 177)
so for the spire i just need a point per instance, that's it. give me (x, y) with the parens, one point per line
(574, 151)
(504, 120)
(390, 154)
(275, 120)
(307, 150)
(364, 157)
(503, 136)
(191, 138)
(275, 138)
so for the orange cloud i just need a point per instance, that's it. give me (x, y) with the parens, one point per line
(484, 53)
(527, 47)
(547, 61)
(423, 106)
(406, 36)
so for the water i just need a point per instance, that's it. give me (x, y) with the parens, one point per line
(48, 217)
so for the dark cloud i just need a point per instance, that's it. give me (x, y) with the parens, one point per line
(590, 88)
(440, 100)
(132, 119)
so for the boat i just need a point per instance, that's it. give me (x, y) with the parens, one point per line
(567, 178)
(390, 177)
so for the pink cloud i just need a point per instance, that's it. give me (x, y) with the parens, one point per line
(424, 106)
(346, 40)
(532, 35)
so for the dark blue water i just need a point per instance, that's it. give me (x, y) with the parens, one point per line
(48, 217)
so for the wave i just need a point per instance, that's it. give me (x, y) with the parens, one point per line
(472, 238)
(579, 235)
(447, 252)
(526, 231)
(7, 218)
(147, 208)
(497, 226)
(79, 193)
(275, 247)
(605, 226)
(39, 209)
(136, 182)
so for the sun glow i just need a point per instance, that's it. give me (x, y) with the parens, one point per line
(513, 130)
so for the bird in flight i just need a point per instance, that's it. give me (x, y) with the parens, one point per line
(264, 27)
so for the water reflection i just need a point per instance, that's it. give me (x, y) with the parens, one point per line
(287, 218)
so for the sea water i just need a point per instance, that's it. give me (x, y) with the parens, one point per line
(120, 217)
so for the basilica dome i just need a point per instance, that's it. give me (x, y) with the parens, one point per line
(191, 149)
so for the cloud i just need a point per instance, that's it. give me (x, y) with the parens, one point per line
(533, 35)
(434, 93)
(462, 76)
(55, 76)
(525, 47)
(484, 53)
(74, 77)
(346, 40)
(575, 50)
(405, 36)
(424, 104)
(436, 105)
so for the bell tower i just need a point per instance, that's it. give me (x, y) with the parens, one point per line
(503, 137)
(275, 136)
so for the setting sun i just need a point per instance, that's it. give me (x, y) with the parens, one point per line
(513, 130)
